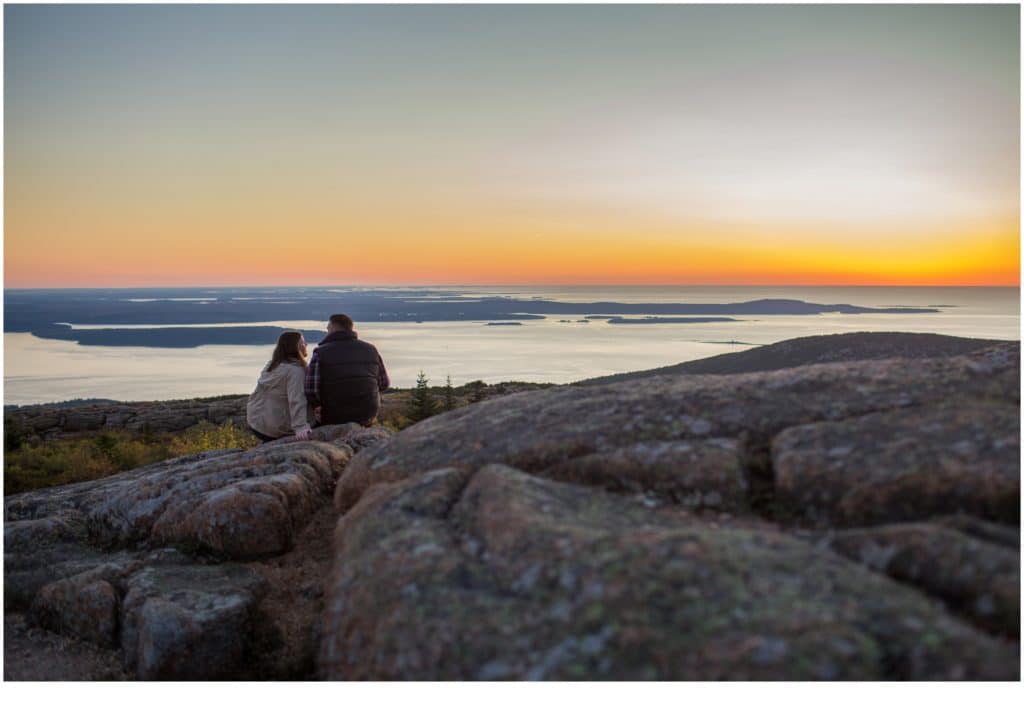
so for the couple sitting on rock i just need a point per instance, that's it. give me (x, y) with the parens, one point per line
(342, 383)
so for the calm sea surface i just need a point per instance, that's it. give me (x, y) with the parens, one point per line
(38, 370)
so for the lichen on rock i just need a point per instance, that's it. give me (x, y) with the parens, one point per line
(142, 560)
(503, 575)
(684, 528)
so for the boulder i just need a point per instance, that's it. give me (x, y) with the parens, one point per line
(85, 606)
(237, 504)
(29, 570)
(496, 574)
(684, 528)
(190, 622)
(92, 560)
(351, 434)
(540, 432)
(958, 457)
(697, 473)
(250, 512)
(35, 533)
(978, 579)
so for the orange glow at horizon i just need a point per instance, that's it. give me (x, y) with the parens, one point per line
(138, 253)
(119, 232)
(631, 145)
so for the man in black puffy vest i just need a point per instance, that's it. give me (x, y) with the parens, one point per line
(345, 376)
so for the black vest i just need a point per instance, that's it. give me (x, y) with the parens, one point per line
(349, 376)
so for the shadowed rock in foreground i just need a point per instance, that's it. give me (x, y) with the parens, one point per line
(149, 560)
(693, 528)
(502, 575)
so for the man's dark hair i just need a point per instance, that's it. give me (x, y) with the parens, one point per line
(342, 320)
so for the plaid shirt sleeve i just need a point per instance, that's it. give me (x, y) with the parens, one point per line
(382, 378)
(313, 380)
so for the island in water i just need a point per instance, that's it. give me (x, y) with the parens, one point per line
(189, 318)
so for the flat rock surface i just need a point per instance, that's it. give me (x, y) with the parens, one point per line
(685, 528)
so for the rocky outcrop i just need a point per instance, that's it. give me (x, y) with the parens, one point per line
(497, 574)
(981, 580)
(154, 561)
(693, 528)
(960, 455)
(543, 432)
(713, 477)
(852, 520)
(55, 421)
(189, 622)
(809, 350)
(48, 421)
(235, 504)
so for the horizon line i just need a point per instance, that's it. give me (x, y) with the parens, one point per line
(489, 285)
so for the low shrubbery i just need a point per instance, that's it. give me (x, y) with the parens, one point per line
(424, 401)
(32, 462)
(55, 462)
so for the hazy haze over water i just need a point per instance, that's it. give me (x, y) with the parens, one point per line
(41, 370)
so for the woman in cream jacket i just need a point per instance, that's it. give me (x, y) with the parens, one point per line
(277, 407)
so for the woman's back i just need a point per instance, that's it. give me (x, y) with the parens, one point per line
(277, 407)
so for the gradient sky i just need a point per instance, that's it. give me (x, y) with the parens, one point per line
(181, 145)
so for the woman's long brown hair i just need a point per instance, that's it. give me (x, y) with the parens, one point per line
(287, 348)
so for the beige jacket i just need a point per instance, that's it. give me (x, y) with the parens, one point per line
(277, 407)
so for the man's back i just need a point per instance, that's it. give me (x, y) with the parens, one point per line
(348, 378)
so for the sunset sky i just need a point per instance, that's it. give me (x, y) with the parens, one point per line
(302, 145)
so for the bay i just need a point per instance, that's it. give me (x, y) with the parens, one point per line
(555, 349)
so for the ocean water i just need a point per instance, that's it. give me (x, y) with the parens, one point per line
(555, 349)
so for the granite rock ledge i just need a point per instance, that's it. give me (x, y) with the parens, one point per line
(162, 561)
(851, 520)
